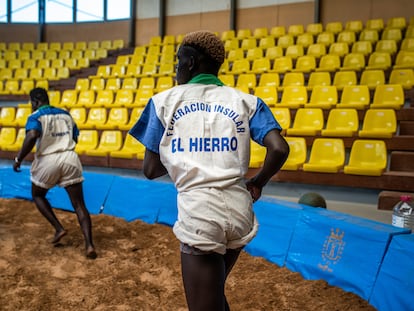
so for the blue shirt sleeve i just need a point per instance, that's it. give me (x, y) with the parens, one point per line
(33, 123)
(262, 122)
(148, 129)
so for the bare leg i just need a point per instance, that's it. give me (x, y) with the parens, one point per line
(203, 278)
(43, 205)
(230, 259)
(75, 193)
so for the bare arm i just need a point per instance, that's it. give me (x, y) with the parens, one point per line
(153, 167)
(28, 144)
(276, 155)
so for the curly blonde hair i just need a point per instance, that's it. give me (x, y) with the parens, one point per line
(207, 43)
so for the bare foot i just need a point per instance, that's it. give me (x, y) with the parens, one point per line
(91, 253)
(58, 236)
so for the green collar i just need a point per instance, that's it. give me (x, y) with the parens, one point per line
(43, 107)
(205, 78)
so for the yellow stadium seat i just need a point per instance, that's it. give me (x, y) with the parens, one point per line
(240, 66)
(113, 84)
(90, 54)
(294, 51)
(38, 55)
(54, 97)
(409, 33)
(26, 86)
(86, 98)
(379, 60)
(227, 79)
(254, 53)
(260, 32)
(87, 140)
(355, 96)
(282, 116)
(36, 73)
(82, 84)
(405, 59)
(93, 45)
(346, 36)
(267, 42)
(282, 65)
(50, 73)
(28, 63)
(339, 48)
(353, 61)
(110, 140)
(405, 77)
(133, 118)
(379, 123)
(9, 55)
(274, 52)
(397, 22)
(168, 58)
(131, 148)
(314, 28)
(42, 46)
(344, 78)
(307, 122)
(71, 63)
(224, 68)
(97, 84)
(296, 30)
(388, 46)
(168, 40)
(123, 98)
(68, 45)
(407, 44)
(15, 63)
(77, 54)
(117, 117)
(62, 73)
(388, 96)
(11, 87)
(392, 34)
(297, 154)
(292, 79)
(305, 40)
(318, 78)
(104, 71)
(166, 69)
(155, 40)
(370, 35)
(334, 27)
(56, 63)
(146, 83)
(243, 33)
(118, 43)
(326, 38)
(326, 156)
(268, 94)
(248, 43)
(375, 24)
(305, 64)
(316, 50)
(228, 35)
(363, 47)
(7, 116)
(18, 142)
(22, 113)
(269, 79)
(51, 54)
(367, 157)
(329, 63)
(20, 74)
(341, 122)
(79, 115)
(69, 98)
(117, 71)
(164, 83)
(101, 53)
(354, 25)
(277, 31)
(57, 46)
(372, 78)
(246, 80)
(148, 70)
(130, 83)
(133, 70)
(42, 83)
(231, 44)
(324, 97)
(285, 41)
(96, 116)
(293, 97)
(104, 98)
(257, 155)
(7, 136)
(142, 96)
(261, 65)
(43, 63)
(6, 74)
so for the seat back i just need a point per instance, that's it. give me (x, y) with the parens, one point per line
(339, 48)
(104, 98)
(327, 152)
(7, 136)
(379, 60)
(354, 61)
(341, 122)
(113, 84)
(387, 46)
(344, 78)
(79, 115)
(257, 155)
(82, 84)
(282, 116)
(405, 77)
(308, 118)
(326, 38)
(87, 140)
(375, 24)
(110, 140)
(293, 79)
(347, 36)
(246, 80)
(123, 98)
(285, 41)
(363, 47)
(146, 83)
(324, 96)
(372, 78)
(86, 99)
(261, 65)
(370, 35)
(294, 51)
(22, 113)
(318, 78)
(269, 79)
(388, 96)
(268, 94)
(69, 98)
(380, 123)
(130, 83)
(329, 62)
(305, 64)
(297, 153)
(305, 39)
(274, 52)
(240, 66)
(142, 96)
(355, 96)
(7, 116)
(316, 50)
(117, 116)
(367, 157)
(296, 95)
(96, 116)
(282, 64)
(227, 79)
(404, 59)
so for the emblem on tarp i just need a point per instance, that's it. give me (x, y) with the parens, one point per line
(332, 250)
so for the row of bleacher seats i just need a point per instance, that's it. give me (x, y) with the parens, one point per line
(340, 122)
(67, 45)
(12, 58)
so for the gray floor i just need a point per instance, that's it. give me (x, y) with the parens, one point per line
(354, 201)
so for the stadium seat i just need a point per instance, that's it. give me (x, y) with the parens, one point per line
(110, 140)
(146, 83)
(318, 78)
(82, 84)
(293, 97)
(227, 79)
(268, 94)
(388, 46)
(370, 35)
(254, 53)
(26, 86)
(295, 29)
(329, 63)
(133, 118)
(379, 60)
(405, 77)
(363, 47)
(375, 24)
(54, 98)
(316, 50)
(96, 116)
(334, 27)
(240, 66)
(282, 64)
(130, 83)
(282, 116)
(11, 87)
(86, 99)
(294, 51)
(392, 34)
(353, 61)
(285, 41)
(123, 98)
(355, 96)
(305, 64)
(20, 74)
(274, 52)
(388, 96)
(164, 83)
(404, 59)
(379, 123)
(269, 79)
(396, 22)
(324, 97)
(314, 28)
(113, 84)
(104, 98)
(297, 154)
(87, 140)
(305, 40)
(69, 98)
(231, 44)
(341, 122)
(307, 122)
(277, 31)
(22, 113)
(257, 155)
(354, 25)
(243, 33)
(349, 37)
(148, 70)
(344, 78)
(36, 73)
(142, 96)
(62, 73)
(228, 35)
(407, 44)
(326, 156)
(246, 80)
(43, 83)
(260, 32)
(261, 65)
(131, 148)
(132, 70)
(79, 115)
(117, 71)
(117, 117)
(372, 78)
(367, 157)
(326, 38)
(235, 54)
(7, 136)
(18, 142)
(266, 42)
(292, 79)
(248, 43)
